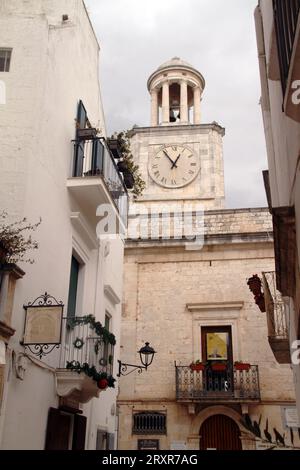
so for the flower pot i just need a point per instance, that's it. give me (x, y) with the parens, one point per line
(114, 147)
(197, 367)
(122, 166)
(86, 134)
(219, 367)
(102, 384)
(128, 180)
(260, 301)
(254, 284)
(242, 366)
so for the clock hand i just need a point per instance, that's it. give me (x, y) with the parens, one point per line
(173, 163)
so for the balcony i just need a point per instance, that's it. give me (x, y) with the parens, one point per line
(287, 30)
(208, 386)
(96, 180)
(276, 319)
(83, 353)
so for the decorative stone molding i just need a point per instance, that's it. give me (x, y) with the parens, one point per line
(215, 306)
(76, 386)
(111, 295)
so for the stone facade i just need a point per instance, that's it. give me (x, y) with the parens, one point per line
(174, 292)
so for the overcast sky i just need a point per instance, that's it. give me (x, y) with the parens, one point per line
(218, 38)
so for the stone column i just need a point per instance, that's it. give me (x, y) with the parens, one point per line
(154, 107)
(165, 103)
(197, 100)
(183, 102)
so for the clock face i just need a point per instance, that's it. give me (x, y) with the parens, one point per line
(174, 166)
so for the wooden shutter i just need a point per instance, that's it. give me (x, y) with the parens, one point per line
(73, 287)
(58, 430)
(79, 146)
(97, 157)
(79, 432)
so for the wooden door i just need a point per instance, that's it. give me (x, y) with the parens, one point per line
(220, 433)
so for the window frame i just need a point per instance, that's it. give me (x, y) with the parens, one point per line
(7, 58)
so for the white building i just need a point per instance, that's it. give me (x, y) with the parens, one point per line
(49, 76)
(278, 40)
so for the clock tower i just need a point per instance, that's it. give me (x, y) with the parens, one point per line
(180, 159)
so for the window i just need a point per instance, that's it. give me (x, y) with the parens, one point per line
(5, 59)
(149, 423)
(73, 287)
(105, 440)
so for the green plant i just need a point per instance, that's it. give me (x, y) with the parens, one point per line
(263, 435)
(13, 242)
(95, 325)
(91, 372)
(123, 139)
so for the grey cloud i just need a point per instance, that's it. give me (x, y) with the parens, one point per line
(218, 38)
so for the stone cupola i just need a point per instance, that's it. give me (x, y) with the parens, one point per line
(176, 88)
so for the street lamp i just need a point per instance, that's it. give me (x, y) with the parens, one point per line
(146, 356)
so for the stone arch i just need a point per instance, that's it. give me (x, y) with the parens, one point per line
(248, 440)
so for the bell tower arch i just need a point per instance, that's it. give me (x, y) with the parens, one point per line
(176, 88)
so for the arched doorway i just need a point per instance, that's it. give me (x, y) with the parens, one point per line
(221, 433)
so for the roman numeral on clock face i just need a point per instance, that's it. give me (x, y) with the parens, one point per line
(173, 182)
(163, 180)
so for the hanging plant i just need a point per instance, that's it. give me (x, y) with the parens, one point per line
(108, 338)
(131, 171)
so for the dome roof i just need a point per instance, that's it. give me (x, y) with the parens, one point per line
(175, 61)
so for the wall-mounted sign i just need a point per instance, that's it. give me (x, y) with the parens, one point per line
(43, 324)
(148, 444)
(178, 445)
(290, 417)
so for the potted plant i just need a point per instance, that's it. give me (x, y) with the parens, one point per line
(197, 366)
(254, 284)
(260, 301)
(114, 147)
(239, 365)
(87, 133)
(126, 165)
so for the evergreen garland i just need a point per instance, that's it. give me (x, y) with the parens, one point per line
(108, 338)
(91, 372)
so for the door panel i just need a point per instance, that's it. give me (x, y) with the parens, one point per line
(220, 432)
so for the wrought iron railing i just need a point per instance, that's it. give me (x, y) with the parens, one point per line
(92, 157)
(80, 344)
(275, 309)
(286, 13)
(208, 385)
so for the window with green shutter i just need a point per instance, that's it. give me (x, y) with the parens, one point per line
(73, 287)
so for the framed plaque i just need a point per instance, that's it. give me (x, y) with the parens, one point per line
(43, 325)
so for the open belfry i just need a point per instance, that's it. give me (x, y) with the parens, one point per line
(217, 364)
